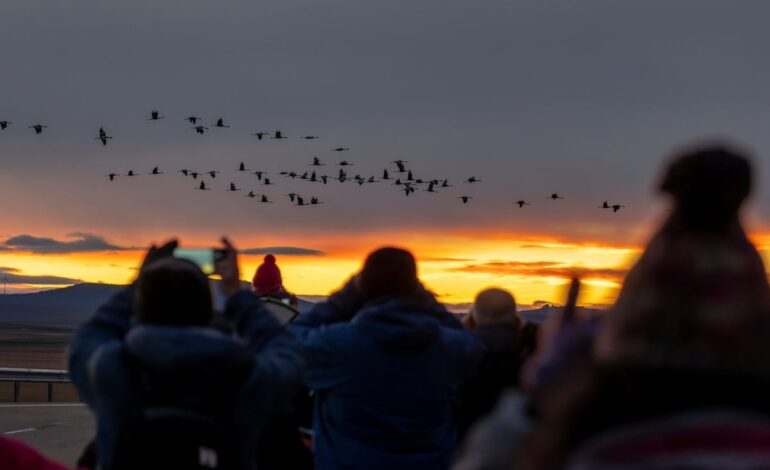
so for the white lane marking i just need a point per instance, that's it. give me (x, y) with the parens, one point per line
(41, 405)
(19, 431)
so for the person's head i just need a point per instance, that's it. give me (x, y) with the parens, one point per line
(173, 292)
(494, 307)
(268, 278)
(708, 184)
(389, 272)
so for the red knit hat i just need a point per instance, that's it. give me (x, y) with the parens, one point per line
(267, 279)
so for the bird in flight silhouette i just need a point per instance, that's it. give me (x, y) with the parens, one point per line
(310, 137)
(316, 162)
(605, 205)
(193, 119)
(292, 196)
(465, 199)
(340, 149)
(314, 201)
(200, 129)
(156, 171)
(4, 125)
(344, 163)
(112, 176)
(242, 167)
(184, 171)
(265, 200)
(213, 173)
(259, 174)
(617, 207)
(131, 173)
(233, 188)
(220, 123)
(554, 197)
(521, 203)
(251, 194)
(203, 187)
(385, 174)
(472, 180)
(260, 134)
(267, 182)
(155, 115)
(38, 128)
(103, 136)
(279, 135)
(195, 174)
(401, 165)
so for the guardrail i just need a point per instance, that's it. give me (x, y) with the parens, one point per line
(19, 376)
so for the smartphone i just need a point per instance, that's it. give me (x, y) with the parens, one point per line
(205, 258)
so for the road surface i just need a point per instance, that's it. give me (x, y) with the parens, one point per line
(59, 430)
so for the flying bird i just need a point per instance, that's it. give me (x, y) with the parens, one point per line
(401, 164)
(260, 134)
(220, 123)
(344, 163)
(233, 188)
(103, 136)
(155, 115)
(279, 135)
(200, 129)
(292, 196)
(385, 174)
(4, 125)
(465, 199)
(340, 149)
(213, 173)
(521, 203)
(184, 171)
(310, 137)
(195, 174)
(155, 171)
(265, 200)
(605, 205)
(314, 201)
(251, 194)
(472, 180)
(193, 119)
(112, 176)
(242, 167)
(268, 182)
(38, 128)
(616, 207)
(554, 197)
(203, 187)
(259, 174)
(316, 162)
(131, 173)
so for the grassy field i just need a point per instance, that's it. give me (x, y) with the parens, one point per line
(35, 348)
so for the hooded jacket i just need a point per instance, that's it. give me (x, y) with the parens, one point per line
(386, 376)
(119, 368)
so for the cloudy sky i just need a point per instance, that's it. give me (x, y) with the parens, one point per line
(586, 99)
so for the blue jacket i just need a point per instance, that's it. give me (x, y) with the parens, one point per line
(115, 364)
(385, 375)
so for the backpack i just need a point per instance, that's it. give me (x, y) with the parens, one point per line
(174, 439)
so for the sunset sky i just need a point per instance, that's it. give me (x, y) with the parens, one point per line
(586, 99)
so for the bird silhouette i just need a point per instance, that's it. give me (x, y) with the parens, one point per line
(292, 196)
(344, 163)
(554, 197)
(300, 201)
(605, 205)
(242, 167)
(131, 173)
(313, 178)
(267, 182)
(314, 201)
(521, 203)
(310, 137)
(155, 115)
(259, 174)
(408, 189)
(316, 162)
(195, 174)
(220, 123)
(431, 187)
(200, 129)
(340, 149)
(184, 171)
(4, 125)
(401, 165)
(203, 187)
(251, 194)
(279, 135)
(265, 200)
(213, 173)
(465, 199)
(445, 184)
(342, 177)
(112, 176)
(193, 119)
(103, 136)
(409, 176)
(616, 207)
(155, 171)
(38, 128)
(472, 180)
(233, 188)
(260, 134)
(385, 174)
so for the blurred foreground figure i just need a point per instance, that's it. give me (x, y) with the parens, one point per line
(679, 372)
(168, 391)
(385, 359)
(494, 320)
(268, 282)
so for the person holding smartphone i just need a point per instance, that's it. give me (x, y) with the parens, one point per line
(166, 388)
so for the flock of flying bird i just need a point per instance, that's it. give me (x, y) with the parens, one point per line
(403, 177)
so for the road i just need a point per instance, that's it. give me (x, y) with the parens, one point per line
(58, 430)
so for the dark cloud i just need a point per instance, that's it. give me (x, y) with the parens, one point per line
(544, 269)
(282, 250)
(12, 276)
(79, 243)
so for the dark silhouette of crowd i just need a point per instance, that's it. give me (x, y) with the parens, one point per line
(381, 376)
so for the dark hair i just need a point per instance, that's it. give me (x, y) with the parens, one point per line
(173, 291)
(390, 272)
(709, 183)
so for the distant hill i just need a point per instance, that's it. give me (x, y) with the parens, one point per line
(63, 308)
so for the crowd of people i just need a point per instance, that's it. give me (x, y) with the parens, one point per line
(382, 376)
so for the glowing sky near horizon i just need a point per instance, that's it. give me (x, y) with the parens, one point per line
(587, 99)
